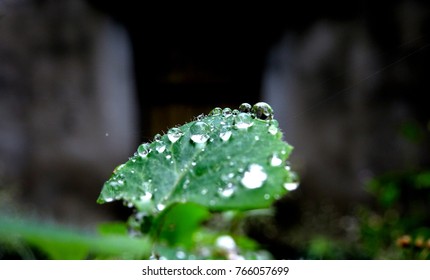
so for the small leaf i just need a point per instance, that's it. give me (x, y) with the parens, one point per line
(229, 159)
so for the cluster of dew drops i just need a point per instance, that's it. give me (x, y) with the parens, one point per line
(242, 119)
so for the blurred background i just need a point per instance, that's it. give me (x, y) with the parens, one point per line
(82, 83)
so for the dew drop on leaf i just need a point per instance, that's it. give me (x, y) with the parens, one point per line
(199, 132)
(225, 133)
(216, 111)
(174, 134)
(143, 150)
(227, 191)
(227, 112)
(291, 186)
(254, 177)
(160, 207)
(262, 110)
(272, 129)
(275, 160)
(245, 107)
(243, 121)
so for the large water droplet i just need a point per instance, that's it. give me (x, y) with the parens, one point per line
(216, 111)
(254, 177)
(243, 120)
(143, 150)
(275, 160)
(174, 134)
(262, 110)
(227, 191)
(199, 132)
(245, 107)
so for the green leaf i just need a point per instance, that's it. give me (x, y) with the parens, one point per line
(177, 224)
(228, 159)
(61, 243)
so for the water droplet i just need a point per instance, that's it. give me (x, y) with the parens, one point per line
(267, 196)
(180, 255)
(204, 191)
(174, 134)
(161, 207)
(245, 107)
(199, 132)
(157, 137)
(200, 117)
(272, 129)
(225, 133)
(243, 120)
(226, 242)
(227, 191)
(235, 112)
(146, 197)
(143, 150)
(160, 146)
(256, 138)
(227, 112)
(118, 168)
(212, 202)
(168, 157)
(254, 177)
(193, 163)
(262, 110)
(108, 199)
(216, 111)
(291, 186)
(275, 160)
(106, 134)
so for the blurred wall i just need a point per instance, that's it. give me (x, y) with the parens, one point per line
(349, 93)
(68, 114)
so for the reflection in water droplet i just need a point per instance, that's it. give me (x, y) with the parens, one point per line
(245, 107)
(243, 120)
(174, 134)
(199, 132)
(254, 177)
(275, 160)
(227, 191)
(216, 111)
(291, 186)
(143, 150)
(262, 110)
